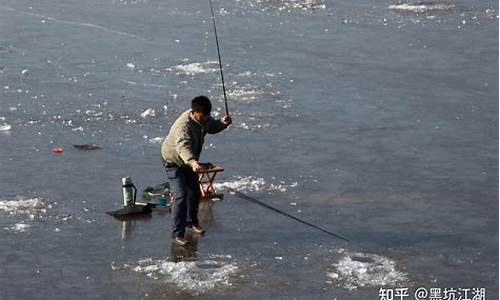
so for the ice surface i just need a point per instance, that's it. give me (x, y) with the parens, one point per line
(359, 132)
(196, 277)
(46, 19)
(356, 269)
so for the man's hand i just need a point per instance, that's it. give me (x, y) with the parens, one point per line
(196, 166)
(227, 120)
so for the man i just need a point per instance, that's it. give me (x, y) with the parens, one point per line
(180, 152)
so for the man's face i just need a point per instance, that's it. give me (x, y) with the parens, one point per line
(200, 117)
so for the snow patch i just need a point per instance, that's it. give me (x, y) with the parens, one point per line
(156, 140)
(21, 206)
(288, 5)
(356, 269)
(251, 183)
(148, 113)
(196, 68)
(5, 127)
(19, 227)
(422, 7)
(197, 277)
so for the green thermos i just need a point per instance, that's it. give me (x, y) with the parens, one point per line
(129, 191)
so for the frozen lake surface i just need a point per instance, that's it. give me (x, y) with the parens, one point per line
(377, 120)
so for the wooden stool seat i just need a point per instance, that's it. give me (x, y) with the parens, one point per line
(206, 179)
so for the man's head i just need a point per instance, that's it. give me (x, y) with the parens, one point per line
(200, 108)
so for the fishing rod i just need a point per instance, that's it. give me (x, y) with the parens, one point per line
(253, 200)
(220, 61)
(338, 236)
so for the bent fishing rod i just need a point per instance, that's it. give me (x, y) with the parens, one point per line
(220, 61)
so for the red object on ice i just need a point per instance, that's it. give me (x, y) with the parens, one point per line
(57, 150)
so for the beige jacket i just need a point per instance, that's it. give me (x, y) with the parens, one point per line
(184, 142)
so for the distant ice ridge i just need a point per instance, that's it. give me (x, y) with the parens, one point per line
(21, 206)
(46, 19)
(292, 4)
(197, 277)
(355, 269)
(422, 7)
(251, 183)
(128, 2)
(197, 68)
(19, 227)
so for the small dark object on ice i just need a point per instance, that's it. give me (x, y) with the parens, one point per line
(87, 147)
(131, 210)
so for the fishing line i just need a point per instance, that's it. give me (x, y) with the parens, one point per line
(338, 236)
(218, 53)
(253, 200)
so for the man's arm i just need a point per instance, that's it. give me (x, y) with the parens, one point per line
(216, 126)
(183, 147)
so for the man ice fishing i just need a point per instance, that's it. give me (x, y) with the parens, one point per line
(181, 151)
